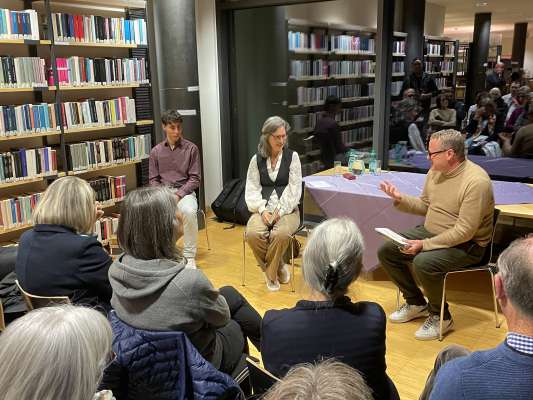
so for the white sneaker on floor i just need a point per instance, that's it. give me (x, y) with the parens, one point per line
(430, 328)
(408, 312)
(284, 274)
(272, 286)
(191, 263)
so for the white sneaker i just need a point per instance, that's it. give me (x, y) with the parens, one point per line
(284, 274)
(273, 286)
(408, 312)
(191, 263)
(430, 328)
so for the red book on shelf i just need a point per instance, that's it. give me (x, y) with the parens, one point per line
(19, 214)
(124, 116)
(54, 160)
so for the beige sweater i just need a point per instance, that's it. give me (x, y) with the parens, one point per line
(458, 206)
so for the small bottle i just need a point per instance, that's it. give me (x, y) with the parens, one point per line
(372, 164)
(351, 160)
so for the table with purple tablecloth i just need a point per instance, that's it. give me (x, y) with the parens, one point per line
(363, 201)
(512, 168)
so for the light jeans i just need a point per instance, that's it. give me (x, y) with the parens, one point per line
(188, 207)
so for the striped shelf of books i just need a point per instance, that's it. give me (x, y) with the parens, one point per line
(25, 41)
(29, 135)
(105, 128)
(91, 44)
(104, 167)
(27, 181)
(98, 87)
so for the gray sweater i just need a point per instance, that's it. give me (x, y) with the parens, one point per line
(162, 295)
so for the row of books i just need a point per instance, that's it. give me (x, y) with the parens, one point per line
(307, 95)
(106, 228)
(308, 68)
(109, 188)
(322, 68)
(22, 72)
(355, 44)
(439, 66)
(433, 49)
(27, 163)
(18, 210)
(97, 29)
(351, 136)
(398, 66)
(396, 87)
(98, 153)
(449, 49)
(82, 71)
(26, 119)
(19, 24)
(355, 113)
(398, 47)
(441, 82)
(308, 41)
(351, 68)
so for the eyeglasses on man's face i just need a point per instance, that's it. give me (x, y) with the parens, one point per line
(434, 153)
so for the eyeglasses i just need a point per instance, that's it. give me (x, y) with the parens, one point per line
(280, 138)
(431, 154)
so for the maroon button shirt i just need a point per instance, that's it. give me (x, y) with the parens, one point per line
(178, 168)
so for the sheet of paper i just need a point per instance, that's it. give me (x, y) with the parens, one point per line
(390, 234)
(318, 184)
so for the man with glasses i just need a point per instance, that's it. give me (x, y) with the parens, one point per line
(458, 204)
(505, 371)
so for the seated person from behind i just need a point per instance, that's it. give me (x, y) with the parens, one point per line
(326, 324)
(57, 352)
(458, 204)
(505, 371)
(153, 290)
(522, 144)
(175, 162)
(60, 256)
(328, 133)
(273, 191)
(442, 116)
(323, 381)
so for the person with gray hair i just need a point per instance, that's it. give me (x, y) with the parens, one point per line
(272, 194)
(54, 353)
(503, 372)
(496, 78)
(327, 380)
(458, 204)
(153, 289)
(326, 323)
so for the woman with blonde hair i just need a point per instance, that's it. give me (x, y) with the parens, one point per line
(60, 256)
(54, 353)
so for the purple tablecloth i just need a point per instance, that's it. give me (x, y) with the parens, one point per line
(363, 201)
(520, 168)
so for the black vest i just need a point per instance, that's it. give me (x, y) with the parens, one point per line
(282, 180)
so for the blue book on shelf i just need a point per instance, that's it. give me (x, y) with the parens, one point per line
(42, 118)
(3, 29)
(46, 163)
(27, 118)
(13, 209)
(36, 118)
(71, 25)
(25, 23)
(14, 25)
(127, 35)
(22, 153)
(46, 111)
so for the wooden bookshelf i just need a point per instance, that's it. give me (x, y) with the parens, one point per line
(21, 90)
(87, 44)
(97, 87)
(104, 167)
(29, 136)
(25, 42)
(105, 128)
(17, 228)
(21, 181)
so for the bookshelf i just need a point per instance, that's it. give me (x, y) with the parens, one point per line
(127, 42)
(398, 64)
(440, 60)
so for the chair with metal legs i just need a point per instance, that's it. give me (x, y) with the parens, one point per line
(292, 238)
(202, 213)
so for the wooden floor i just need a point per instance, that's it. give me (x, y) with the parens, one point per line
(409, 360)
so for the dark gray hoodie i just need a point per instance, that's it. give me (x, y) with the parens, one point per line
(163, 295)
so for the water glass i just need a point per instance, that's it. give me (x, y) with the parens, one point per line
(337, 168)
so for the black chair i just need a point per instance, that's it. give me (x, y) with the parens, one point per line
(202, 213)
(261, 379)
(301, 228)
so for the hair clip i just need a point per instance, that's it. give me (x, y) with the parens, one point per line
(332, 277)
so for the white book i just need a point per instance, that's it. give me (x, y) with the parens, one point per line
(390, 234)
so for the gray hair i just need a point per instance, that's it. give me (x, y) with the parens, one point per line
(68, 201)
(515, 266)
(328, 380)
(524, 90)
(148, 227)
(54, 353)
(271, 125)
(451, 139)
(495, 93)
(332, 258)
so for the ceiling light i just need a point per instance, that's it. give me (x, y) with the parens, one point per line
(482, 4)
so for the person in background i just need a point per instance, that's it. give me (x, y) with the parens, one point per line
(501, 108)
(508, 98)
(505, 371)
(272, 194)
(481, 97)
(328, 134)
(522, 99)
(327, 380)
(326, 323)
(153, 289)
(60, 256)
(403, 120)
(496, 78)
(409, 93)
(423, 83)
(458, 204)
(54, 353)
(484, 127)
(521, 145)
(175, 162)
(442, 116)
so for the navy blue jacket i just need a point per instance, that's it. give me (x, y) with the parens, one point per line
(155, 365)
(53, 260)
(353, 333)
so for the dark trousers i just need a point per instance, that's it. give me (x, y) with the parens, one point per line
(245, 323)
(429, 268)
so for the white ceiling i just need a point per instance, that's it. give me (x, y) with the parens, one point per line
(505, 13)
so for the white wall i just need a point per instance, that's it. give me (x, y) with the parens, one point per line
(528, 59)
(354, 12)
(206, 41)
(434, 19)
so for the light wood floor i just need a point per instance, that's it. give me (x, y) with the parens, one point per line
(409, 360)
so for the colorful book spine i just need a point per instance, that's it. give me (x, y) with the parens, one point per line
(27, 119)
(15, 25)
(22, 72)
(18, 210)
(106, 228)
(25, 164)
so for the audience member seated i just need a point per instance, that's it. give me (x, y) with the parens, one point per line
(521, 144)
(522, 99)
(60, 256)
(55, 353)
(326, 324)
(423, 83)
(503, 372)
(483, 129)
(501, 108)
(403, 121)
(409, 93)
(458, 204)
(273, 191)
(152, 289)
(442, 116)
(496, 78)
(458, 106)
(329, 135)
(509, 97)
(481, 97)
(328, 380)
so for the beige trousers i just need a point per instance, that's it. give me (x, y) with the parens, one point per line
(269, 244)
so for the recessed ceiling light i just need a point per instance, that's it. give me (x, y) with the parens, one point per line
(482, 4)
